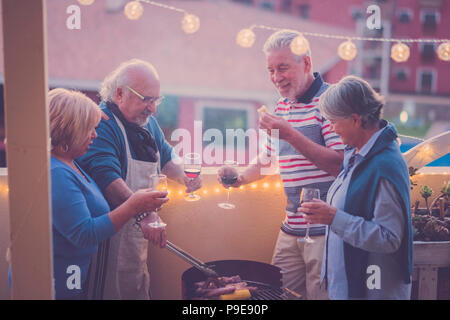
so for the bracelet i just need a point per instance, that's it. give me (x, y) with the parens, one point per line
(137, 225)
(141, 216)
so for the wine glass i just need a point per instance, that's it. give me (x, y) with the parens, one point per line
(192, 169)
(306, 196)
(158, 182)
(229, 177)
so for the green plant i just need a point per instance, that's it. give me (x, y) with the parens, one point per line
(426, 192)
(412, 172)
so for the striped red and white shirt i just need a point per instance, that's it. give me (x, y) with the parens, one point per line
(296, 171)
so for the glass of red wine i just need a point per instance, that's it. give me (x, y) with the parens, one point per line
(192, 169)
(229, 177)
(306, 196)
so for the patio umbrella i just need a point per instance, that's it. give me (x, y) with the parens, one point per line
(428, 151)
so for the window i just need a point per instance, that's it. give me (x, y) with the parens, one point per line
(113, 6)
(247, 2)
(356, 13)
(404, 15)
(304, 10)
(218, 116)
(401, 74)
(223, 119)
(287, 5)
(167, 114)
(427, 51)
(267, 5)
(430, 19)
(426, 81)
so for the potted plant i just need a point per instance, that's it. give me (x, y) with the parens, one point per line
(432, 224)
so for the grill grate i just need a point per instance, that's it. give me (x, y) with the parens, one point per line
(269, 294)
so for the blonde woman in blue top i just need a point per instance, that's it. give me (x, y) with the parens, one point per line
(81, 217)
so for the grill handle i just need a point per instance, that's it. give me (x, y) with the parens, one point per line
(191, 260)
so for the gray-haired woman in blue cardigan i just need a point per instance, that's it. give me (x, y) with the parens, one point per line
(368, 253)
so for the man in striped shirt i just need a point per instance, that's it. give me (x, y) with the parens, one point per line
(309, 154)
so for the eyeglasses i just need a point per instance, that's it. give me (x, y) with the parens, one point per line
(155, 100)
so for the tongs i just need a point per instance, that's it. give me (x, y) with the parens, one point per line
(191, 260)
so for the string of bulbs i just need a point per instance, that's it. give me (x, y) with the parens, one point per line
(245, 38)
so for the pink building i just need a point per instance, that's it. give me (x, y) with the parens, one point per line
(418, 86)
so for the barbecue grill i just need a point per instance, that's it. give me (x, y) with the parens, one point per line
(262, 275)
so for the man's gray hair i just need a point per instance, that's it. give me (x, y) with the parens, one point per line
(352, 95)
(282, 39)
(120, 77)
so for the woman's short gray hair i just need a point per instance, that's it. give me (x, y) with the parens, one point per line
(120, 77)
(352, 95)
(282, 39)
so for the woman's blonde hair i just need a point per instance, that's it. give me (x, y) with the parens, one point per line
(72, 116)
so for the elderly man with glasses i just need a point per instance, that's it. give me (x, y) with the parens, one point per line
(129, 148)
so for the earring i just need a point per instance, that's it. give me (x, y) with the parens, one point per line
(65, 148)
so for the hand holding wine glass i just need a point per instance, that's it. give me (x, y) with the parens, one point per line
(192, 169)
(158, 182)
(229, 176)
(307, 195)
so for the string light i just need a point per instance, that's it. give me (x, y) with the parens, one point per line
(245, 38)
(443, 51)
(190, 23)
(347, 50)
(86, 2)
(266, 185)
(400, 52)
(133, 10)
(299, 45)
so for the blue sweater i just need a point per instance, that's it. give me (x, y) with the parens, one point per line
(106, 159)
(79, 222)
(384, 160)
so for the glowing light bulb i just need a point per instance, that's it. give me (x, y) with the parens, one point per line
(205, 191)
(265, 185)
(278, 184)
(180, 192)
(245, 38)
(443, 51)
(133, 10)
(254, 185)
(241, 188)
(299, 45)
(86, 2)
(347, 50)
(190, 23)
(217, 190)
(400, 52)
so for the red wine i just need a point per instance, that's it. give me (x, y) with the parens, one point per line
(192, 173)
(229, 180)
